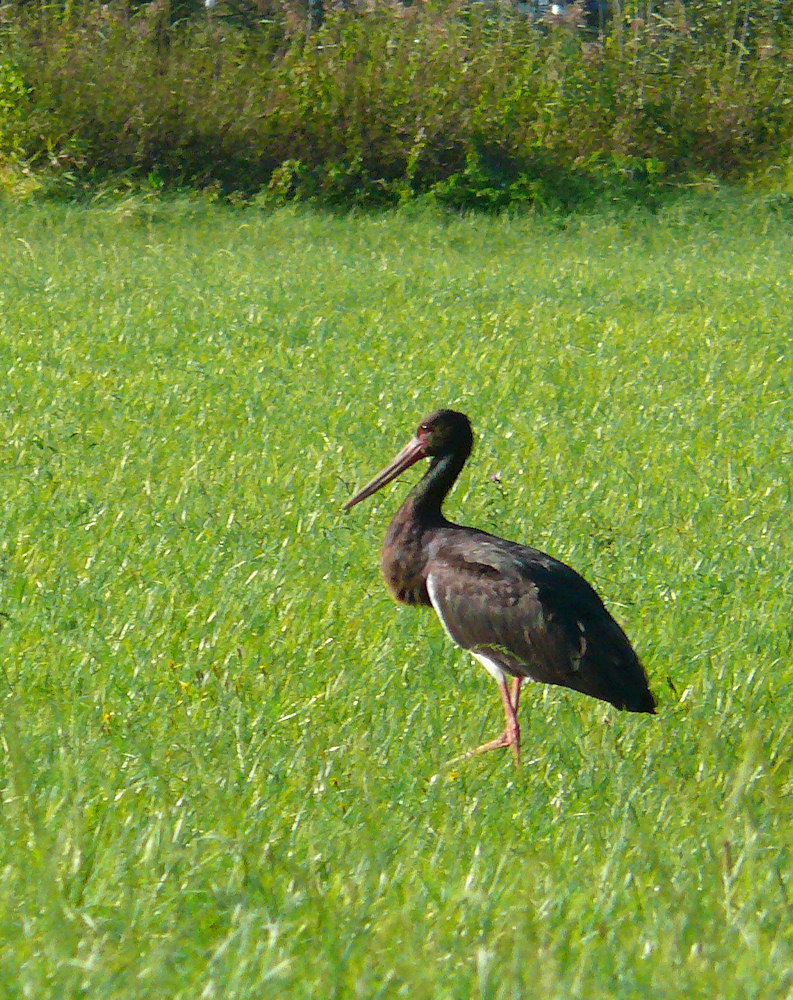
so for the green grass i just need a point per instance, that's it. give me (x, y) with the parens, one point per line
(223, 746)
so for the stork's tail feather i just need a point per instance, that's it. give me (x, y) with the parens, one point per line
(642, 701)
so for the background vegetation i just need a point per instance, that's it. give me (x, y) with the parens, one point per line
(476, 103)
(223, 764)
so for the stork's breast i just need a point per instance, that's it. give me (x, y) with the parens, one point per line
(406, 583)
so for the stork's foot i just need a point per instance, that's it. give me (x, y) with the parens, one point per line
(509, 738)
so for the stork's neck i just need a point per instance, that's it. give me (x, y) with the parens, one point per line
(405, 551)
(427, 496)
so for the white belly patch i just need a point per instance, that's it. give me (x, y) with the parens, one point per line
(491, 667)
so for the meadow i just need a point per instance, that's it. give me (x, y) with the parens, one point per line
(225, 751)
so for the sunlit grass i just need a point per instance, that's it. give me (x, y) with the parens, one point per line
(223, 746)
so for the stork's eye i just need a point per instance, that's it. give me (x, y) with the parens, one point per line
(424, 429)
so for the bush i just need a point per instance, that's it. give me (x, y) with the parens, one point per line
(474, 105)
(13, 110)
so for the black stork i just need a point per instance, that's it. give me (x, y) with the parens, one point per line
(519, 611)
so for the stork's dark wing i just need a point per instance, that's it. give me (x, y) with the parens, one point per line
(533, 615)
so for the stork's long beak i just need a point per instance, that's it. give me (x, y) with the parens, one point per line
(410, 454)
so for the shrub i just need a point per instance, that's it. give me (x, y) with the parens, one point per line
(476, 106)
(13, 110)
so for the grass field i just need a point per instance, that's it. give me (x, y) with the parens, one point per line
(224, 748)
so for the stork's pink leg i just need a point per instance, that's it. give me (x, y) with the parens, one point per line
(511, 735)
(516, 684)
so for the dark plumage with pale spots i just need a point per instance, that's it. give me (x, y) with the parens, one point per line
(519, 611)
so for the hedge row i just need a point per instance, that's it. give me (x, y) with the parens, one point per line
(476, 103)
